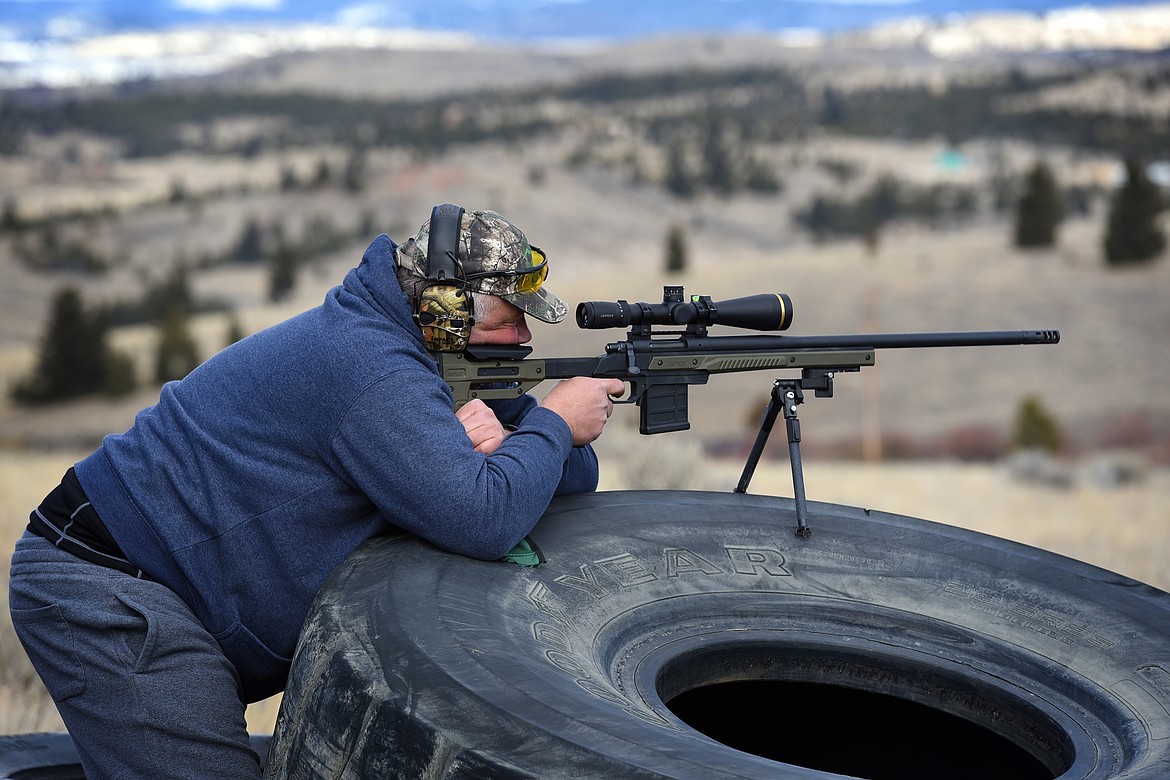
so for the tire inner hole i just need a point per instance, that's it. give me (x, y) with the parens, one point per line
(842, 727)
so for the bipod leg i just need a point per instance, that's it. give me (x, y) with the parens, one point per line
(770, 413)
(786, 396)
(793, 397)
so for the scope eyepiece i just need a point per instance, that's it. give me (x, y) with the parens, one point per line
(766, 311)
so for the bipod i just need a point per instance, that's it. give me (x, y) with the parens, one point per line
(787, 394)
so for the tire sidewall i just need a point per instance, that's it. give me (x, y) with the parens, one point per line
(580, 649)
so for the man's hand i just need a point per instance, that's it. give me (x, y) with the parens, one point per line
(484, 430)
(585, 404)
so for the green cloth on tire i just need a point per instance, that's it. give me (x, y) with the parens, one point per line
(524, 554)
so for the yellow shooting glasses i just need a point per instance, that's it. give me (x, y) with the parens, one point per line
(534, 276)
(531, 278)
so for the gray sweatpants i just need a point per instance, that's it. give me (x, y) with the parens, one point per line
(143, 688)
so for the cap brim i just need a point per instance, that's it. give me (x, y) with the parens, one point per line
(541, 304)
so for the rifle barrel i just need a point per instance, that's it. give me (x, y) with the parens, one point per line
(983, 338)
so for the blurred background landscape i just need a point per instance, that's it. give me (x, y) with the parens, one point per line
(177, 175)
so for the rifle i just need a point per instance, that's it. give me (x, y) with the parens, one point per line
(659, 366)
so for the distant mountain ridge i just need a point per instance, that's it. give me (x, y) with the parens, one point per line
(65, 43)
(506, 19)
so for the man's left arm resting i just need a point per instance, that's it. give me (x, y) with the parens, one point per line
(580, 473)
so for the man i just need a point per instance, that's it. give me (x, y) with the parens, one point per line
(164, 582)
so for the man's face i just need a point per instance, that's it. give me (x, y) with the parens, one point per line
(502, 324)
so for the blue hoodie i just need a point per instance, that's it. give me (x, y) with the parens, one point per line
(258, 473)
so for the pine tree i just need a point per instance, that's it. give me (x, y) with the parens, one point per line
(355, 176)
(71, 361)
(818, 219)
(235, 329)
(676, 250)
(679, 180)
(282, 272)
(1039, 209)
(250, 248)
(1132, 233)
(177, 354)
(834, 108)
(718, 168)
(75, 359)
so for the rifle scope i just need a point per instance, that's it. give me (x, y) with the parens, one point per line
(766, 311)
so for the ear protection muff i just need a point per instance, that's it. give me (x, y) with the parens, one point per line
(443, 310)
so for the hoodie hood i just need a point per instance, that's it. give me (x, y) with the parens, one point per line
(375, 281)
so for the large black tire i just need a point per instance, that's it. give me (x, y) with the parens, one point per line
(52, 756)
(693, 635)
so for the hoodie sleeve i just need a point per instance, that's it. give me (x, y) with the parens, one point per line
(399, 443)
(580, 474)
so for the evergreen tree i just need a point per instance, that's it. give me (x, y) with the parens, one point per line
(173, 293)
(355, 175)
(718, 167)
(884, 201)
(834, 108)
(250, 247)
(10, 219)
(676, 250)
(282, 267)
(1039, 209)
(679, 180)
(1132, 234)
(818, 218)
(288, 179)
(75, 359)
(762, 178)
(235, 329)
(177, 354)
(324, 174)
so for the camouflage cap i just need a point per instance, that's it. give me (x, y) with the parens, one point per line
(494, 255)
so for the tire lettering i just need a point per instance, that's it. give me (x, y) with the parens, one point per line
(626, 570)
(680, 560)
(754, 560)
(1042, 620)
(586, 583)
(567, 663)
(577, 669)
(1158, 678)
(542, 598)
(552, 636)
(556, 635)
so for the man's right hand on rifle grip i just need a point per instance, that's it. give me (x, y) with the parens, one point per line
(585, 404)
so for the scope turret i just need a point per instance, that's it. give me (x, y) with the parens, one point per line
(766, 311)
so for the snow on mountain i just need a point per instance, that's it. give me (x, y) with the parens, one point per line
(1081, 28)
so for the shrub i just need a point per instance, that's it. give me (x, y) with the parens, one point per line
(1035, 428)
